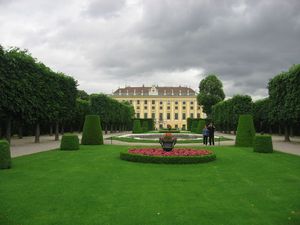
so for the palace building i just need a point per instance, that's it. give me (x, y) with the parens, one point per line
(166, 105)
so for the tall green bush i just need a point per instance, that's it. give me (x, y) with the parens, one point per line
(245, 131)
(92, 131)
(136, 127)
(5, 158)
(263, 143)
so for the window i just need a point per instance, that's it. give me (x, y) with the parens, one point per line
(160, 102)
(160, 126)
(176, 103)
(176, 116)
(168, 116)
(192, 103)
(183, 116)
(137, 107)
(145, 115)
(198, 115)
(192, 108)
(183, 127)
(198, 107)
(153, 107)
(176, 126)
(192, 115)
(138, 101)
(145, 107)
(153, 102)
(145, 102)
(176, 107)
(137, 115)
(183, 103)
(168, 107)
(153, 115)
(130, 101)
(183, 107)
(160, 116)
(160, 107)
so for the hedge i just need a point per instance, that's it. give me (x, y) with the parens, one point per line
(92, 131)
(166, 159)
(145, 127)
(245, 131)
(5, 157)
(263, 143)
(200, 126)
(69, 142)
(137, 129)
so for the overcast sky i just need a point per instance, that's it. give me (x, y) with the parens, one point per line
(105, 44)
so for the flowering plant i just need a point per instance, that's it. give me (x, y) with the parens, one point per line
(175, 152)
(167, 137)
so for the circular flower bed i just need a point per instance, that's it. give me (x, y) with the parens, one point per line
(178, 156)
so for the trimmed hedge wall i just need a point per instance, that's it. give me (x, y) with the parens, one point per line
(200, 126)
(263, 143)
(136, 127)
(245, 131)
(167, 159)
(190, 123)
(92, 131)
(69, 142)
(145, 125)
(5, 157)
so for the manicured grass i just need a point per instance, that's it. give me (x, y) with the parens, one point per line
(128, 139)
(93, 186)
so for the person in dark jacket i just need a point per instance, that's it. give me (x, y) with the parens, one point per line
(205, 135)
(211, 134)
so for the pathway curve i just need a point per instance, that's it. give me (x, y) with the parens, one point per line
(27, 146)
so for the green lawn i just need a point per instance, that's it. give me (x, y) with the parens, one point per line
(128, 139)
(93, 186)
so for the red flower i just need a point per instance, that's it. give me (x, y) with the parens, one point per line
(174, 152)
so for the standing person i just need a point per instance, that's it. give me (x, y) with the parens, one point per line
(205, 135)
(211, 134)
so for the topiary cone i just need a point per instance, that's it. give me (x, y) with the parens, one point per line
(245, 131)
(5, 157)
(92, 131)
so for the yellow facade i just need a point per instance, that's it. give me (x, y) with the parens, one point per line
(164, 108)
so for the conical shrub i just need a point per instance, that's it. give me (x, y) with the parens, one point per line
(92, 131)
(136, 127)
(245, 131)
(5, 158)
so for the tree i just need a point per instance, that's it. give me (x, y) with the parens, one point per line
(81, 94)
(210, 93)
(261, 109)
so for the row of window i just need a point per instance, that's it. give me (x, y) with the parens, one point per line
(161, 102)
(168, 116)
(168, 107)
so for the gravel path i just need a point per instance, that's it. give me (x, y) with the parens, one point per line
(27, 146)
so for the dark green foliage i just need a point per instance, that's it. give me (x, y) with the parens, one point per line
(113, 114)
(284, 98)
(200, 126)
(261, 109)
(145, 126)
(263, 143)
(69, 142)
(194, 126)
(191, 123)
(245, 131)
(226, 114)
(5, 158)
(137, 129)
(166, 159)
(210, 93)
(92, 131)
(81, 94)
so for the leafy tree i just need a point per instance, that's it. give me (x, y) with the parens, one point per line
(81, 94)
(261, 109)
(210, 93)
